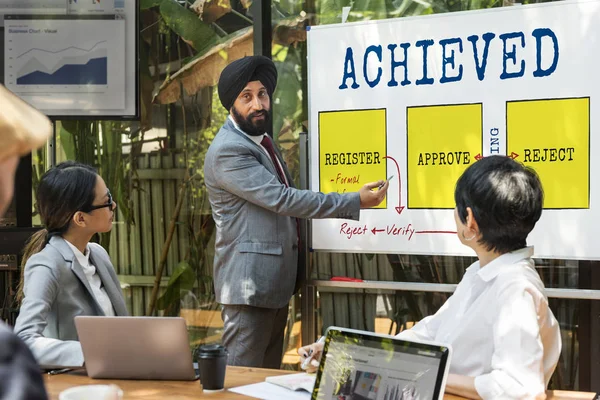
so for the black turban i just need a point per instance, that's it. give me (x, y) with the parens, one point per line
(236, 76)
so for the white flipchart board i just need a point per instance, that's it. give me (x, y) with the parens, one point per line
(422, 98)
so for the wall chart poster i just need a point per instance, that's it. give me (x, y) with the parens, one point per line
(422, 98)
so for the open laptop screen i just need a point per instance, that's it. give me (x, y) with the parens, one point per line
(360, 365)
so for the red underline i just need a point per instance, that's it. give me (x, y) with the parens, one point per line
(436, 232)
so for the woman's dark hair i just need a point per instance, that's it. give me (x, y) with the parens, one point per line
(63, 190)
(506, 198)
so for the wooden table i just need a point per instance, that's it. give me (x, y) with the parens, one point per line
(235, 376)
(161, 390)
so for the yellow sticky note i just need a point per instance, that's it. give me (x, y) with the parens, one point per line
(352, 147)
(443, 140)
(553, 137)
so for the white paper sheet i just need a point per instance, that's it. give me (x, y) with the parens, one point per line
(268, 391)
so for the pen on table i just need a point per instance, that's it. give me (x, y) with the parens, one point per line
(388, 179)
(59, 371)
(306, 362)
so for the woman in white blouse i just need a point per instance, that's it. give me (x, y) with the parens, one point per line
(505, 340)
(64, 275)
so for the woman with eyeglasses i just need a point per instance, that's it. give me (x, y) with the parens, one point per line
(63, 274)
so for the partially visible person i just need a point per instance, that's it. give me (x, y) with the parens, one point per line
(505, 339)
(20, 375)
(8, 168)
(22, 129)
(255, 207)
(64, 275)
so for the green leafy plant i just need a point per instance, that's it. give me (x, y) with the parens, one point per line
(100, 144)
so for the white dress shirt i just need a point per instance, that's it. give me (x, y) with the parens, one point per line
(500, 328)
(258, 140)
(94, 280)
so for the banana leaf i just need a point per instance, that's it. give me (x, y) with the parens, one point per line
(204, 69)
(188, 26)
(182, 280)
(146, 4)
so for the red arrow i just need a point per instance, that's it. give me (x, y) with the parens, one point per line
(451, 232)
(375, 230)
(513, 155)
(478, 157)
(400, 207)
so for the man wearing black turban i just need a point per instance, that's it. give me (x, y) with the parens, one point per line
(236, 75)
(255, 207)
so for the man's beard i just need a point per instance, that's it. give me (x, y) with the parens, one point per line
(249, 126)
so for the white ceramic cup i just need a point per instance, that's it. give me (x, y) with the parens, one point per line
(92, 392)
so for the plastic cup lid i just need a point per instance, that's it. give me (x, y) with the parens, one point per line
(212, 350)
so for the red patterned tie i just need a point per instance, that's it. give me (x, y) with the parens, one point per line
(268, 145)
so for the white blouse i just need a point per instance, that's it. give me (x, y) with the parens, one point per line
(500, 328)
(93, 279)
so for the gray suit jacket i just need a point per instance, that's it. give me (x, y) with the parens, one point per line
(256, 251)
(56, 291)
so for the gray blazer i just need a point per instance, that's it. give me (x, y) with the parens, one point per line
(256, 251)
(56, 291)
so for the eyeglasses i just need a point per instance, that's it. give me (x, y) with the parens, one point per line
(108, 204)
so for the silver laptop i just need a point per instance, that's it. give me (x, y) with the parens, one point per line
(154, 348)
(361, 365)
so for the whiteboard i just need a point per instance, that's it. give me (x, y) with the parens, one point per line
(422, 98)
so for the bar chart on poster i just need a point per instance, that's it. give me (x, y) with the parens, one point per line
(420, 99)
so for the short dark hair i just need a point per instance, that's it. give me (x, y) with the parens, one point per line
(506, 198)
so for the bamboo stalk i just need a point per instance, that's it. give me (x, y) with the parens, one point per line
(167, 245)
(175, 216)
